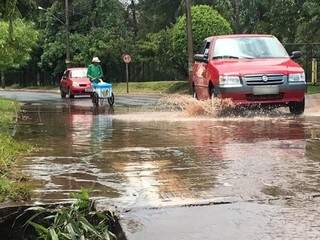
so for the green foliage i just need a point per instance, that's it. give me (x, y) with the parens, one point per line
(79, 221)
(289, 20)
(97, 28)
(15, 52)
(9, 149)
(10, 187)
(15, 190)
(205, 22)
(152, 87)
(158, 17)
(150, 30)
(313, 89)
(308, 29)
(8, 110)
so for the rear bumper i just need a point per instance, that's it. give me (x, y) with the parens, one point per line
(245, 95)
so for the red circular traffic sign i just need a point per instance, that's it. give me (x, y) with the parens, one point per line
(126, 58)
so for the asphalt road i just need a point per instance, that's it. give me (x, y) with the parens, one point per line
(54, 97)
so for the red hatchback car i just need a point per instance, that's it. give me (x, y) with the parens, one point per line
(75, 82)
(249, 69)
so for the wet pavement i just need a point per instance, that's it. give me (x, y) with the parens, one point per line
(176, 177)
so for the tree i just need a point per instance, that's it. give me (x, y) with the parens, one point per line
(155, 15)
(15, 50)
(205, 22)
(11, 9)
(308, 29)
(280, 18)
(97, 28)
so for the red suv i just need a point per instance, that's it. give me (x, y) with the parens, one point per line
(249, 69)
(75, 82)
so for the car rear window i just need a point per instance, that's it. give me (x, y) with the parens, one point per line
(79, 73)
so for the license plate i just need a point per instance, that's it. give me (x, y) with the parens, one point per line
(265, 90)
(88, 90)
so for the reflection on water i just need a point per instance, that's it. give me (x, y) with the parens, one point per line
(148, 163)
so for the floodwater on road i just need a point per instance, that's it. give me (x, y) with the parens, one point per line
(144, 159)
(165, 159)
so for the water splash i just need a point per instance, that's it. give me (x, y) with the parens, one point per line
(192, 107)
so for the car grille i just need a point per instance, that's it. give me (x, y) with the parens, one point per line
(257, 80)
(251, 97)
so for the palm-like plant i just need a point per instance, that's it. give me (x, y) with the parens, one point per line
(79, 221)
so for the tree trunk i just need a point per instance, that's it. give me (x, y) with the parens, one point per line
(237, 15)
(3, 83)
(38, 78)
(134, 18)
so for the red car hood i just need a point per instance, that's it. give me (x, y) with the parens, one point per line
(81, 80)
(255, 66)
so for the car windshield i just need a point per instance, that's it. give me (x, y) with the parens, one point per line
(249, 47)
(79, 73)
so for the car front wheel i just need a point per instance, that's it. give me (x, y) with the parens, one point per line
(63, 94)
(297, 108)
(70, 94)
(212, 92)
(194, 93)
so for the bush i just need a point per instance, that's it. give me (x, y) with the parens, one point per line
(205, 22)
(79, 221)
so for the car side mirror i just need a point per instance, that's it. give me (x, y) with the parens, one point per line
(296, 54)
(201, 58)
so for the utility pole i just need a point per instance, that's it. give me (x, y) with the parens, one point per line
(134, 18)
(67, 33)
(190, 40)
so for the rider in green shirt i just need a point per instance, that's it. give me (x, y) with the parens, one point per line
(95, 73)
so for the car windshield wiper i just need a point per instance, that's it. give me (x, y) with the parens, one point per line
(248, 57)
(225, 56)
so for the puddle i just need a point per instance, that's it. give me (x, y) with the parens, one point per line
(135, 157)
(148, 158)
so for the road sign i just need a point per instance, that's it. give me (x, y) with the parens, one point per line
(126, 58)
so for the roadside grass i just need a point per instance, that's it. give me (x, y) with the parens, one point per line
(313, 89)
(152, 87)
(11, 186)
(8, 110)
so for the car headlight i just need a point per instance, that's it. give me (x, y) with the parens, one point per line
(229, 81)
(75, 84)
(297, 78)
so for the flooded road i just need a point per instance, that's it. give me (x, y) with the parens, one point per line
(246, 177)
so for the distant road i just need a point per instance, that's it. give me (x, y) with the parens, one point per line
(53, 97)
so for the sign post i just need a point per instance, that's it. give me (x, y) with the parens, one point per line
(127, 59)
